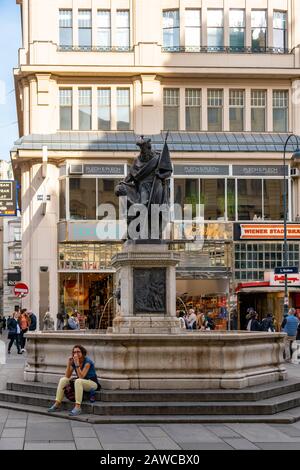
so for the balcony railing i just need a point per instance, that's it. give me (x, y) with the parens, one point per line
(95, 48)
(228, 49)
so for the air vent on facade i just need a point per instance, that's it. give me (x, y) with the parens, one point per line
(76, 170)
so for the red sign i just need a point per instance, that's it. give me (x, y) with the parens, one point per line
(21, 289)
(269, 231)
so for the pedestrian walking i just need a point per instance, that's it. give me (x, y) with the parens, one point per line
(290, 328)
(14, 331)
(24, 325)
(253, 323)
(86, 380)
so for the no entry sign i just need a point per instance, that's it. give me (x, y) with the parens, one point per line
(21, 289)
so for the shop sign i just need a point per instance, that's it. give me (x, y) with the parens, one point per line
(266, 231)
(13, 278)
(254, 170)
(287, 270)
(8, 198)
(15, 263)
(201, 170)
(105, 170)
(279, 279)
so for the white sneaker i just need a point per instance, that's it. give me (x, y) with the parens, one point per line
(23, 350)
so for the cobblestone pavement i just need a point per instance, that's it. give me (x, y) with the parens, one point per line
(23, 430)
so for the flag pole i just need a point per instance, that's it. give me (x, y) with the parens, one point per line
(155, 178)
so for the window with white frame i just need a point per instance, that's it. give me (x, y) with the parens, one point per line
(85, 29)
(123, 30)
(237, 29)
(85, 109)
(171, 109)
(103, 29)
(104, 109)
(65, 109)
(280, 110)
(236, 110)
(171, 30)
(123, 109)
(215, 30)
(280, 37)
(192, 29)
(17, 234)
(193, 109)
(259, 30)
(215, 110)
(65, 29)
(258, 110)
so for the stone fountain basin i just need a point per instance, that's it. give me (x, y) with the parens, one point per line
(188, 360)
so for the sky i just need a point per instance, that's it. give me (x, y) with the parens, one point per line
(10, 42)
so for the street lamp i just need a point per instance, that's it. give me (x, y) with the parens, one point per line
(296, 155)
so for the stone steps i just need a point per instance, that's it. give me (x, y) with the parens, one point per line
(260, 392)
(263, 407)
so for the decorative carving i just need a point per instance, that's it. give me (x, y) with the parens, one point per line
(149, 286)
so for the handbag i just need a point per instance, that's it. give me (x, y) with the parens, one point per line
(69, 390)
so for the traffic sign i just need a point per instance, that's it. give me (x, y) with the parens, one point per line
(21, 289)
(287, 270)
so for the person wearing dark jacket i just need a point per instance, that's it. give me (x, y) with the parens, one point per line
(32, 319)
(14, 331)
(267, 323)
(253, 323)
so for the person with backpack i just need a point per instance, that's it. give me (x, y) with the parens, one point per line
(86, 380)
(14, 331)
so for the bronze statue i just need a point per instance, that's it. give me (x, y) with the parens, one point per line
(147, 179)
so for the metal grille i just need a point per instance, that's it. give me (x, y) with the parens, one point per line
(104, 97)
(214, 98)
(84, 18)
(280, 99)
(237, 98)
(192, 97)
(258, 98)
(65, 97)
(85, 97)
(65, 18)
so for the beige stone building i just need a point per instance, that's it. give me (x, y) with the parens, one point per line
(223, 76)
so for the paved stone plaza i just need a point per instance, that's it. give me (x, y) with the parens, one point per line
(21, 430)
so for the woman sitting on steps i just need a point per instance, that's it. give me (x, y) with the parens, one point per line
(87, 379)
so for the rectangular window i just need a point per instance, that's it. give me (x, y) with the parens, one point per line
(103, 29)
(259, 30)
(215, 110)
(258, 110)
(171, 109)
(85, 29)
(249, 199)
(280, 37)
(215, 30)
(104, 109)
(106, 194)
(236, 110)
(65, 109)
(193, 109)
(186, 191)
(171, 34)
(123, 30)
(231, 199)
(62, 199)
(213, 197)
(273, 199)
(280, 110)
(65, 29)
(82, 198)
(192, 29)
(85, 109)
(237, 29)
(123, 109)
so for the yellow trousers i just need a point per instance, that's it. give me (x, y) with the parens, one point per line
(80, 386)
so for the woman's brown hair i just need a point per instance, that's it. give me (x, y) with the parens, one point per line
(82, 349)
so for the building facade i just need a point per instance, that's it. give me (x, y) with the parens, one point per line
(223, 77)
